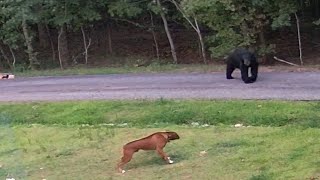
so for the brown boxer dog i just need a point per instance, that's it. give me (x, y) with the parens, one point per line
(156, 141)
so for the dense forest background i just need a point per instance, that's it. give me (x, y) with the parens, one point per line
(42, 34)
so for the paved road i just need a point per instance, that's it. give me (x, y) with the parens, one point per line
(272, 85)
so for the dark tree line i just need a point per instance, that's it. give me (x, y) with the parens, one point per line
(27, 27)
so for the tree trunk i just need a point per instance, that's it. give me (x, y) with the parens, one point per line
(13, 57)
(196, 27)
(109, 40)
(301, 4)
(5, 56)
(203, 50)
(63, 50)
(33, 61)
(263, 45)
(85, 44)
(154, 37)
(317, 10)
(43, 37)
(52, 45)
(165, 24)
(299, 39)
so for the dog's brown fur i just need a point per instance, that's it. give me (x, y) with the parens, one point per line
(156, 141)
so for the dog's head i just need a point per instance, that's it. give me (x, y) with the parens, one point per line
(172, 135)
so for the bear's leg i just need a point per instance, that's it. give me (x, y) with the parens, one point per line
(230, 69)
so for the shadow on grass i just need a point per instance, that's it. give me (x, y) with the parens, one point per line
(151, 158)
(5, 119)
(263, 175)
(231, 143)
(3, 173)
(8, 152)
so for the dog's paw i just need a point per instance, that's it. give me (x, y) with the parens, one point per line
(169, 160)
(123, 171)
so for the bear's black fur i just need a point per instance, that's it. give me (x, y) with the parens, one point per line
(243, 60)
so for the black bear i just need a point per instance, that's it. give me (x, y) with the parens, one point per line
(243, 60)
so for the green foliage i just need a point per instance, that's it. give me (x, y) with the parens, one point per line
(11, 15)
(231, 23)
(317, 22)
(266, 49)
(72, 12)
(280, 13)
(238, 23)
(154, 8)
(124, 8)
(75, 13)
(131, 9)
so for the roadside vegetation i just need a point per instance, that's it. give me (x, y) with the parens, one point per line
(145, 113)
(129, 68)
(155, 68)
(51, 34)
(83, 139)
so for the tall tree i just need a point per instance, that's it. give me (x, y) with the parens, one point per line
(131, 9)
(192, 20)
(34, 64)
(166, 27)
(18, 15)
(72, 14)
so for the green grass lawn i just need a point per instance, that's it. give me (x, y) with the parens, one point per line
(83, 140)
(59, 152)
(144, 113)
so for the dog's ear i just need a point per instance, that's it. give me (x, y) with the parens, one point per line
(168, 134)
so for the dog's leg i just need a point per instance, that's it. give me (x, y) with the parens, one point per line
(164, 155)
(127, 156)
